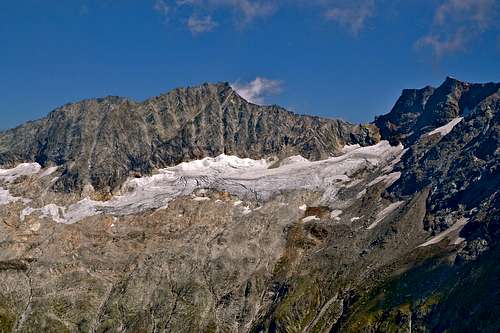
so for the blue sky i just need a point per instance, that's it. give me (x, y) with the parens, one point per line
(334, 58)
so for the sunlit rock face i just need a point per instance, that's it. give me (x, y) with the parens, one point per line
(102, 142)
(206, 213)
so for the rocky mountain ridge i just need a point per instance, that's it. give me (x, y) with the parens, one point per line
(418, 111)
(101, 142)
(380, 238)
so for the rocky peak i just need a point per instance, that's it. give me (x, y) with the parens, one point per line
(458, 161)
(219, 91)
(103, 141)
(422, 110)
(451, 82)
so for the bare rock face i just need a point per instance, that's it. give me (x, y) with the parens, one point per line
(418, 111)
(379, 238)
(459, 163)
(103, 141)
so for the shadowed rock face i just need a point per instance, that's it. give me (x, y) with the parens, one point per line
(420, 110)
(461, 167)
(103, 141)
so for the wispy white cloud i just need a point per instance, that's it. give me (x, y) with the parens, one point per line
(454, 26)
(477, 11)
(456, 23)
(353, 16)
(245, 10)
(444, 44)
(163, 9)
(198, 25)
(249, 10)
(257, 90)
(350, 14)
(200, 19)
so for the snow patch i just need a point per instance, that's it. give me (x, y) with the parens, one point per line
(354, 183)
(384, 212)
(446, 129)
(310, 218)
(52, 211)
(303, 207)
(335, 214)
(10, 175)
(293, 160)
(454, 228)
(245, 178)
(387, 179)
(219, 163)
(48, 171)
(361, 194)
(23, 169)
(393, 163)
(6, 197)
(246, 210)
(201, 199)
(348, 148)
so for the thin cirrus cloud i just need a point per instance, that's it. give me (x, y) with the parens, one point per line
(456, 23)
(198, 25)
(257, 90)
(353, 16)
(349, 14)
(453, 27)
(245, 10)
(163, 9)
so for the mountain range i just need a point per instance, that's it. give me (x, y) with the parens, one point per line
(197, 211)
(101, 142)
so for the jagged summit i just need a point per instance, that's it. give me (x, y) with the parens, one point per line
(103, 141)
(420, 110)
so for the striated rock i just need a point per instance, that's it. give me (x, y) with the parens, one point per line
(459, 165)
(418, 111)
(103, 141)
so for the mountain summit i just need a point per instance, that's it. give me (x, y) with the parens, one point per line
(420, 110)
(103, 141)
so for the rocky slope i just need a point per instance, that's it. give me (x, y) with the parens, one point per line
(378, 238)
(101, 142)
